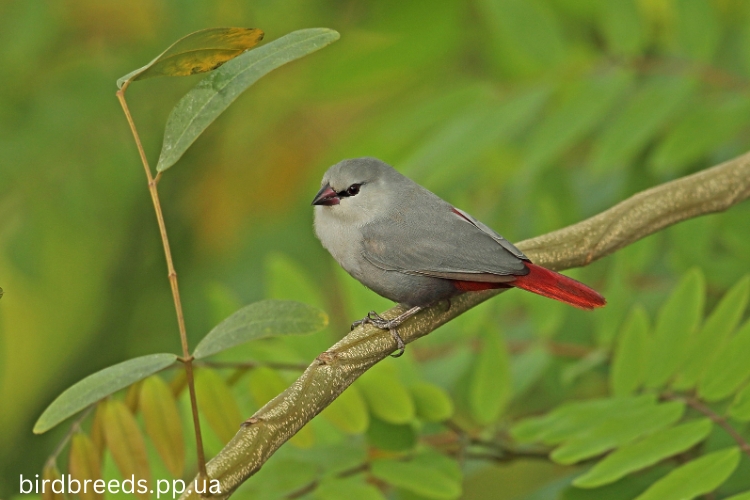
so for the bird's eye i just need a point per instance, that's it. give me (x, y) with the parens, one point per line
(353, 189)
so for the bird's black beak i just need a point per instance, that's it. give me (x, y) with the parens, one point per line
(326, 196)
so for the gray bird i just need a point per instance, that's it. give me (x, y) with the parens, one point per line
(409, 245)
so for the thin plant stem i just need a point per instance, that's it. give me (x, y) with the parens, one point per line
(187, 358)
(310, 487)
(68, 435)
(716, 418)
(249, 365)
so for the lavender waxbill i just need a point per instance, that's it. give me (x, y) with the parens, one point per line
(409, 245)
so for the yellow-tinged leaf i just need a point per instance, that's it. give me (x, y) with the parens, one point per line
(266, 384)
(83, 465)
(97, 431)
(162, 421)
(125, 442)
(198, 52)
(131, 397)
(178, 383)
(55, 488)
(216, 402)
(348, 412)
(207, 100)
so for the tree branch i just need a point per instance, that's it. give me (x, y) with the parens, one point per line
(705, 192)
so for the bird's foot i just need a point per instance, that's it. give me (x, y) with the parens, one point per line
(376, 320)
(399, 343)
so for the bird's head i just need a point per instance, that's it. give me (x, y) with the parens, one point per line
(357, 189)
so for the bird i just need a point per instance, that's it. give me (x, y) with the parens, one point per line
(408, 245)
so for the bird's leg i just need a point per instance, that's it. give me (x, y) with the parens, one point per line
(391, 325)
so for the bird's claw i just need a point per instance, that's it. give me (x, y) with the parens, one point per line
(399, 343)
(380, 322)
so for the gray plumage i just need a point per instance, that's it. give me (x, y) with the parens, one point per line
(403, 241)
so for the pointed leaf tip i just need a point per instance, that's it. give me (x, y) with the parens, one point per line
(198, 52)
(100, 385)
(696, 477)
(266, 318)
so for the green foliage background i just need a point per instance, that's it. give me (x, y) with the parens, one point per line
(530, 114)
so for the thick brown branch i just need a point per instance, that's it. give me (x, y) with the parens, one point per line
(708, 191)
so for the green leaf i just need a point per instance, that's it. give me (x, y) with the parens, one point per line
(347, 489)
(641, 118)
(631, 356)
(100, 385)
(162, 421)
(676, 321)
(697, 477)
(207, 100)
(581, 111)
(265, 384)
(426, 476)
(490, 388)
(622, 27)
(386, 396)
(432, 403)
(391, 437)
(261, 319)
(348, 412)
(729, 369)
(644, 453)
(698, 29)
(712, 336)
(740, 409)
(216, 402)
(197, 52)
(569, 419)
(619, 429)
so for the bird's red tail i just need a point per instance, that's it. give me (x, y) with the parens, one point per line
(556, 286)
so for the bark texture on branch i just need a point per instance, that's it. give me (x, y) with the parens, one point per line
(708, 191)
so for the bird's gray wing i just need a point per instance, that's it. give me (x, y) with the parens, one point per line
(443, 242)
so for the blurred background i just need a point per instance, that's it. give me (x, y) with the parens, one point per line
(529, 114)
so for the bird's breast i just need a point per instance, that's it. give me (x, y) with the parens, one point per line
(343, 241)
